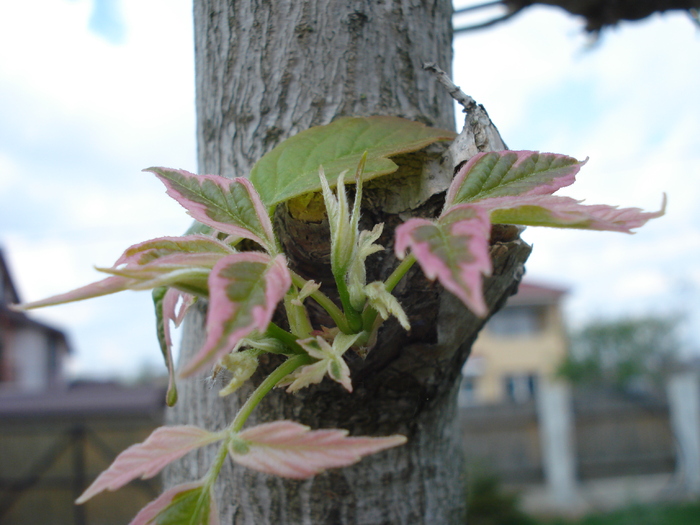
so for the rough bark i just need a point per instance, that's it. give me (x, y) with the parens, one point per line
(266, 70)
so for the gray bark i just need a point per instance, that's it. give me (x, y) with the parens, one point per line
(266, 70)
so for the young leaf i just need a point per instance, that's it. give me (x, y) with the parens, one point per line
(564, 212)
(244, 289)
(453, 249)
(385, 303)
(242, 366)
(291, 450)
(104, 287)
(145, 460)
(343, 235)
(148, 251)
(227, 205)
(357, 273)
(330, 361)
(509, 173)
(291, 169)
(164, 340)
(186, 504)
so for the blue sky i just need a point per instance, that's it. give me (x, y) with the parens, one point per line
(93, 92)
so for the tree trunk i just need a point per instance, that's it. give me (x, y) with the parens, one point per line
(265, 71)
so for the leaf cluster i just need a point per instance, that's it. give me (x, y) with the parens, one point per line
(235, 262)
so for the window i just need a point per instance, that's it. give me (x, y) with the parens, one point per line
(521, 388)
(516, 321)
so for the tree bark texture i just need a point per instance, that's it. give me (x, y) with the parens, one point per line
(265, 71)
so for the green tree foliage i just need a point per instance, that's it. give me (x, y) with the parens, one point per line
(623, 353)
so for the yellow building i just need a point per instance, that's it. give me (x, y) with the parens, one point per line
(522, 343)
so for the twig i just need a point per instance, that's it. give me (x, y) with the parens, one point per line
(486, 24)
(464, 100)
(476, 7)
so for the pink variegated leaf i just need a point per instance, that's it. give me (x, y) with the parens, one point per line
(231, 206)
(165, 301)
(190, 280)
(453, 249)
(564, 212)
(189, 503)
(176, 305)
(166, 263)
(148, 251)
(291, 450)
(145, 460)
(104, 287)
(244, 289)
(509, 173)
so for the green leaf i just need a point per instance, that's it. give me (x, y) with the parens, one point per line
(291, 169)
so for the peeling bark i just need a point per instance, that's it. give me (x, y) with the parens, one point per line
(266, 70)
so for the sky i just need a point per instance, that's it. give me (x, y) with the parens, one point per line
(94, 91)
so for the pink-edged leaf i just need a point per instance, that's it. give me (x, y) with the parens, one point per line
(291, 450)
(166, 263)
(231, 206)
(148, 251)
(564, 212)
(244, 289)
(145, 460)
(185, 504)
(165, 301)
(177, 304)
(507, 173)
(453, 249)
(104, 287)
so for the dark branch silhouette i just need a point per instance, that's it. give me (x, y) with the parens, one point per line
(598, 13)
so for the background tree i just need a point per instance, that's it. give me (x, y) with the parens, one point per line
(264, 72)
(623, 353)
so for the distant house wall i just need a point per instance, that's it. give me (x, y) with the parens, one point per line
(30, 359)
(31, 353)
(519, 346)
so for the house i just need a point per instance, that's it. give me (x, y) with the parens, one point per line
(519, 345)
(32, 353)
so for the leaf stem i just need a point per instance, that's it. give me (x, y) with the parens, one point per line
(215, 467)
(282, 371)
(285, 337)
(399, 272)
(325, 302)
(354, 318)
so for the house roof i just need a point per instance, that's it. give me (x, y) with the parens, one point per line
(530, 293)
(83, 400)
(8, 292)
(9, 295)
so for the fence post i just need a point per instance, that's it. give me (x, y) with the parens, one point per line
(684, 400)
(554, 412)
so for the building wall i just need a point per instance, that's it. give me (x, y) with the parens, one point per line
(520, 345)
